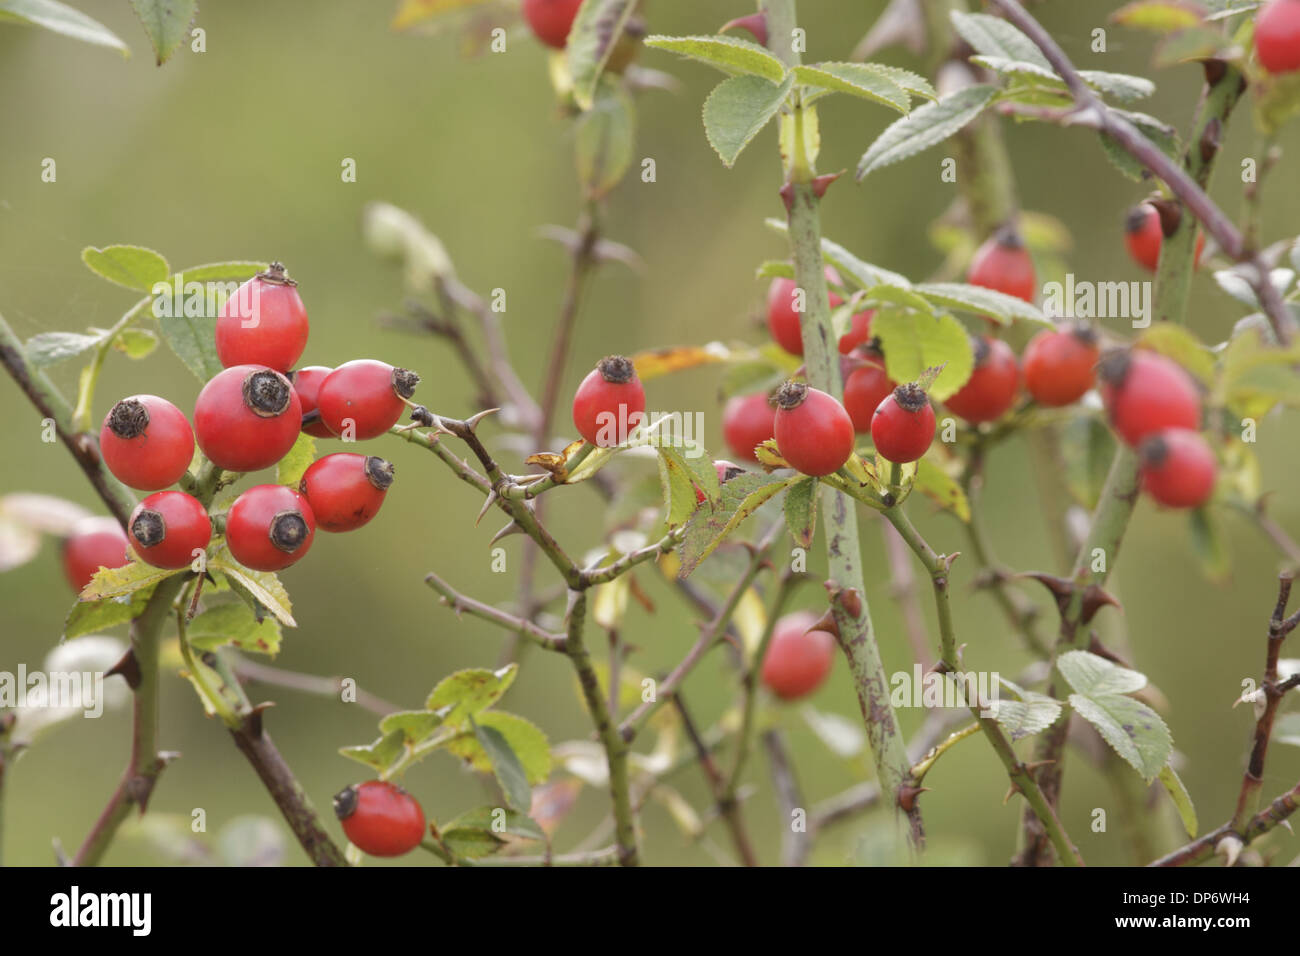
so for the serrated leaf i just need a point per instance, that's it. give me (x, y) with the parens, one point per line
(993, 36)
(729, 54)
(500, 821)
(87, 617)
(741, 497)
(1182, 799)
(912, 82)
(135, 343)
(505, 766)
(978, 300)
(526, 740)
(193, 339)
(414, 725)
(801, 510)
(134, 267)
(913, 343)
(1133, 730)
(862, 274)
(62, 19)
(131, 577)
(380, 754)
(603, 140)
(260, 587)
(1160, 16)
(469, 691)
(167, 22)
(1030, 715)
(1094, 676)
(927, 126)
(471, 843)
(1164, 137)
(1120, 86)
(738, 109)
(856, 79)
(234, 624)
(297, 460)
(592, 38)
(940, 487)
(50, 348)
(899, 295)
(678, 492)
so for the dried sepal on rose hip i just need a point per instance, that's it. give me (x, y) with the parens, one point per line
(94, 543)
(247, 418)
(168, 528)
(364, 398)
(1144, 393)
(345, 490)
(609, 403)
(991, 389)
(1178, 468)
(799, 658)
(813, 432)
(270, 527)
(1060, 364)
(380, 818)
(263, 323)
(146, 442)
(903, 426)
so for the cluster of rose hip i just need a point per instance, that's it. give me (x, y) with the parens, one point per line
(1152, 403)
(246, 418)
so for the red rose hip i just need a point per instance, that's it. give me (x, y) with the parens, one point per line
(1144, 236)
(551, 20)
(346, 490)
(1277, 36)
(786, 324)
(364, 398)
(263, 323)
(1060, 365)
(609, 403)
(94, 543)
(168, 528)
(813, 431)
(269, 527)
(247, 418)
(306, 382)
(865, 388)
(991, 388)
(798, 659)
(380, 818)
(747, 422)
(1144, 392)
(146, 442)
(903, 425)
(1178, 468)
(1004, 265)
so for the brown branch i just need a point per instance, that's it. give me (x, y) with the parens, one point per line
(249, 671)
(796, 845)
(728, 806)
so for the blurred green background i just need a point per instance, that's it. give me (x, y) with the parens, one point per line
(235, 153)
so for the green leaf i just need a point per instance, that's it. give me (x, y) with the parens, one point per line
(167, 22)
(738, 109)
(237, 625)
(193, 339)
(801, 510)
(1120, 86)
(604, 140)
(741, 497)
(1087, 447)
(51, 348)
(88, 617)
(1031, 714)
(937, 485)
(1164, 136)
(471, 843)
(862, 274)
(1182, 799)
(132, 577)
(595, 33)
(1181, 345)
(505, 766)
(679, 493)
(414, 725)
(1254, 375)
(260, 588)
(993, 36)
(380, 754)
(912, 82)
(298, 459)
(135, 343)
(527, 741)
(1160, 16)
(131, 266)
(1132, 729)
(729, 54)
(236, 271)
(980, 301)
(688, 473)
(913, 343)
(498, 820)
(898, 295)
(467, 692)
(1210, 544)
(927, 126)
(62, 19)
(856, 79)
(1276, 99)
